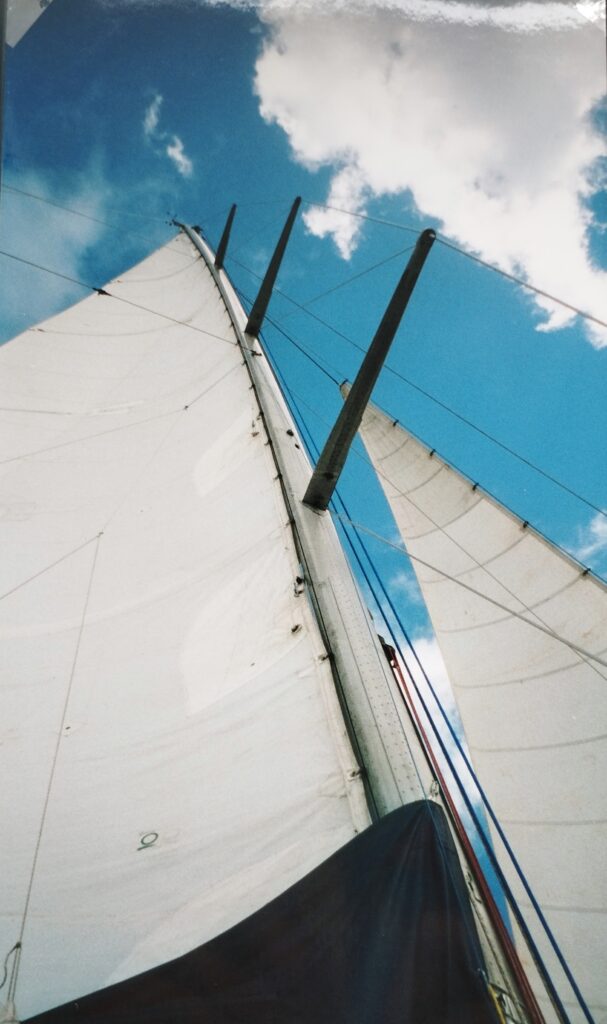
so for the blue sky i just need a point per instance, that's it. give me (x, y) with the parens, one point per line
(481, 120)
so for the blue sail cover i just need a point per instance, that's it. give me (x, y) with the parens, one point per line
(380, 933)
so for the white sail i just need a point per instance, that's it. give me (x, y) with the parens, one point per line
(171, 738)
(21, 15)
(523, 632)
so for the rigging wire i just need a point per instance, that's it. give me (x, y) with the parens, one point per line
(335, 380)
(480, 830)
(584, 654)
(460, 785)
(478, 593)
(464, 252)
(448, 243)
(125, 213)
(396, 373)
(521, 458)
(80, 213)
(313, 453)
(348, 280)
(427, 394)
(90, 217)
(60, 734)
(118, 298)
(519, 280)
(363, 216)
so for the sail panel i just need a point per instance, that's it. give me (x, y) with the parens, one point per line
(169, 724)
(517, 623)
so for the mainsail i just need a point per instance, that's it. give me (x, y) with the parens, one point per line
(521, 627)
(196, 709)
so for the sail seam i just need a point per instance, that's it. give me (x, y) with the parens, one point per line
(556, 824)
(543, 746)
(541, 624)
(113, 430)
(456, 519)
(88, 437)
(434, 568)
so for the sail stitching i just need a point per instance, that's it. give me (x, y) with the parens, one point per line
(541, 746)
(483, 567)
(54, 762)
(428, 533)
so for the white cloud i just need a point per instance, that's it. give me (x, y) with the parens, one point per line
(592, 539)
(176, 153)
(347, 193)
(164, 142)
(488, 130)
(152, 116)
(429, 654)
(406, 584)
(511, 15)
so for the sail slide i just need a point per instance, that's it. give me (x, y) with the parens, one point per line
(174, 753)
(523, 632)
